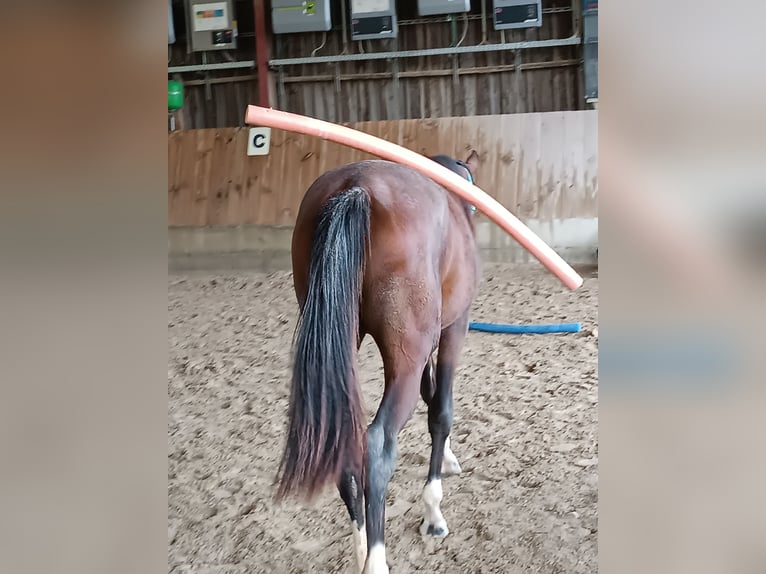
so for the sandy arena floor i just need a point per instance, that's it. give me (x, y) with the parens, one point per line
(525, 432)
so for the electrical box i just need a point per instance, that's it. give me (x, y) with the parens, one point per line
(292, 16)
(212, 25)
(373, 19)
(511, 14)
(434, 7)
(590, 48)
(171, 27)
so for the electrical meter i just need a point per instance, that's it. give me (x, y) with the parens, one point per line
(434, 7)
(293, 16)
(373, 19)
(171, 26)
(211, 25)
(517, 14)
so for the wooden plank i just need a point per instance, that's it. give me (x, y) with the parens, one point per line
(236, 174)
(222, 158)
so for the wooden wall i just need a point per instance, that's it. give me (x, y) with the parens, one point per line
(541, 166)
(491, 83)
(539, 80)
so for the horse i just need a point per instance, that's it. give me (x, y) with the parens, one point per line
(378, 249)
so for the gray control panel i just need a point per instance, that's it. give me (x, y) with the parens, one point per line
(211, 25)
(293, 16)
(373, 19)
(509, 14)
(434, 7)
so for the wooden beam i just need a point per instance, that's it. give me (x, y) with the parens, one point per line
(262, 53)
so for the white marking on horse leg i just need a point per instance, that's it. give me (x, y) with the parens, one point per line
(450, 465)
(433, 521)
(360, 546)
(376, 560)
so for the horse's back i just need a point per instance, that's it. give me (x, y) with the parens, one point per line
(398, 193)
(408, 211)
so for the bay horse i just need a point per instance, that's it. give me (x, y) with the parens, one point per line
(378, 249)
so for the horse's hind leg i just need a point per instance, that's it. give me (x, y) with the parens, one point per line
(428, 381)
(440, 425)
(450, 464)
(351, 491)
(403, 373)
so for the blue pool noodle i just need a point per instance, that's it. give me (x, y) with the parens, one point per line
(525, 329)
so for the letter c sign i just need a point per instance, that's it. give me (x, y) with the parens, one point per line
(258, 141)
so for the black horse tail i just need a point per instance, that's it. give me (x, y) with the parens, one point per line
(326, 425)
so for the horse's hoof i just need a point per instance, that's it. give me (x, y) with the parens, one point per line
(378, 569)
(451, 467)
(438, 530)
(376, 561)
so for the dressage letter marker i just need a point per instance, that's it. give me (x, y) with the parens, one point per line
(489, 206)
(258, 141)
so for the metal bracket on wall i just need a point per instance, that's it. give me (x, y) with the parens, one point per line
(455, 71)
(211, 67)
(454, 57)
(395, 74)
(281, 92)
(338, 93)
(337, 80)
(397, 99)
(576, 17)
(344, 26)
(517, 78)
(531, 45)
(208, 89)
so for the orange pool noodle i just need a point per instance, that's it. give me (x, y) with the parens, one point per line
(489, 206)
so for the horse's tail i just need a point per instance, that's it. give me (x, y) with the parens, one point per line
(326, 416)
